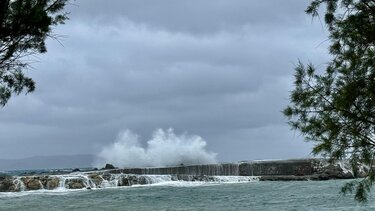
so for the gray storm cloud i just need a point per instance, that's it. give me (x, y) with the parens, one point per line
(219, 69)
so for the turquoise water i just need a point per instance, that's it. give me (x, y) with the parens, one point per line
(303, 195)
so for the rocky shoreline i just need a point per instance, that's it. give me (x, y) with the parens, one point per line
(102, 179)
(276, 170)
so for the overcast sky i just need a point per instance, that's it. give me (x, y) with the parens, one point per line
(220, 69)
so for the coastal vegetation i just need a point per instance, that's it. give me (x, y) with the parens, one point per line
(24, 27)
(334, 106)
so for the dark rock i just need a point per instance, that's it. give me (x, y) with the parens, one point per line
(7, 185)
(109, 166)
(184, 177)
(119, 171)
(133, 180)
(74, 184)
(124, 181)
(76, 170)
(107, 176)
(77, 185)
(142, 180)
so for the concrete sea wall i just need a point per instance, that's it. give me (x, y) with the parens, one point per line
(250, 168)
(296, 169)
(227, 169)
(299, 167)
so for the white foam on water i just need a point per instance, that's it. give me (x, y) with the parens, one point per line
(57, 191)
(180, 184)
(235, 179)
(115, 182)
(216, 180)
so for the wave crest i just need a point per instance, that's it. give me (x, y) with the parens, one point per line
(165, 148)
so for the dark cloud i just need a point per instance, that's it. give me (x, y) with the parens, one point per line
(219, 69)
(191, 16)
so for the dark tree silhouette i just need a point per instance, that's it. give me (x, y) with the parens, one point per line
(24, 27)
(336, 107)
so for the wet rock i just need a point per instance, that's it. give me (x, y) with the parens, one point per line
(107, 176)
(76, 170)
(124, 181)
(7, 185)
(74, 184)
(109, 166)
(142, 180)
(32, 183)
(97, 179)
(183, 177)
(52, 183)
(43, 180)
(133, 180)
(77, 185)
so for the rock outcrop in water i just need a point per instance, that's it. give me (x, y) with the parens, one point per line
(284, 170)
(102, 180)
(109, 166)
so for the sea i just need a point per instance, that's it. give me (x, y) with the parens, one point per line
(225, 194)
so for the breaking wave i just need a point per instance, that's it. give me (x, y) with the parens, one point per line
(165, 148)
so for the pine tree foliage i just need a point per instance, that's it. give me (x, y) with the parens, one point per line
(24, 27)
(335, 108)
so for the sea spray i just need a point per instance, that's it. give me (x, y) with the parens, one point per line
(165, 148)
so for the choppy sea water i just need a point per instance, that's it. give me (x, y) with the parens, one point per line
(302, 195)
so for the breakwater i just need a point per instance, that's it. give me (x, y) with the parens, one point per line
(300, 169)
(103, 179)
(226, 169)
